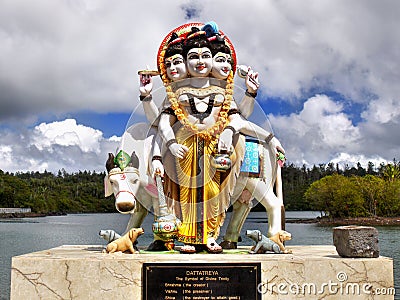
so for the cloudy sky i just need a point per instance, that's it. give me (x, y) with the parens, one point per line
(68, 75)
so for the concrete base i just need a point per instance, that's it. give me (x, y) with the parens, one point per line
(311, 272)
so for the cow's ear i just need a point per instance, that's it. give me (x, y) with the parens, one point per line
(134, 160)
(110, 162)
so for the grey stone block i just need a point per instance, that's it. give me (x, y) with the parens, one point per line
(356, 241)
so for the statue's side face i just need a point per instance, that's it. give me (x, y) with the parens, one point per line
(221, 65)
(176, 67)
(199, 62)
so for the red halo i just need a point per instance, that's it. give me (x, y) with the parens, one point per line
(183, 30)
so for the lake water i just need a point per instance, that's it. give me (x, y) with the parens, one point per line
(21, 236)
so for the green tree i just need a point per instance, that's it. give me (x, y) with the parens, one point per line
(389, 206)
(391, 172)
(337, 196)
(373, 190)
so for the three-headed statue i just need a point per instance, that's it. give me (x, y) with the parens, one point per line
(202, 145)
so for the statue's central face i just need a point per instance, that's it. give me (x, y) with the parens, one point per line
(221, 65)
(199, 62)
(176, 67)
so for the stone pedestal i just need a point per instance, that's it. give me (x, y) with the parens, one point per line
(311, 272)
(356, 241)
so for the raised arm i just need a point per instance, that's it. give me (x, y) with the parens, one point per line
(246, 106)
(145, 88)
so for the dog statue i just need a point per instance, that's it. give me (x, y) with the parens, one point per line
(126, 242)
(273, 244)
(109, 235)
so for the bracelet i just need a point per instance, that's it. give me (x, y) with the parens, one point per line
(269, 138)
(253, 95)
(233, 111)
(231, 128)
(157, 157)
(146, 98)
(170, 142)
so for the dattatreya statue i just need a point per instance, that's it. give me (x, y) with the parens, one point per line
(201, 143)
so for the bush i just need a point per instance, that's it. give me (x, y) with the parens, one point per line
(337, 196)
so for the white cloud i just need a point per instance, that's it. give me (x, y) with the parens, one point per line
(345, 159)
(88, 57)
(382, 111)
(67, 133)
(317, 133)
(55, 146)
(76, 55)
(61, 57)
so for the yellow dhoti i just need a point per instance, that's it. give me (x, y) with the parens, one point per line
(199, 190)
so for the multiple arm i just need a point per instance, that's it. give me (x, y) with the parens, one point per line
(237, 122)
(145, 88)
(246, 106)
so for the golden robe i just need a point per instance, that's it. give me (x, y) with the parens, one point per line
(202, 192)
(199, 185)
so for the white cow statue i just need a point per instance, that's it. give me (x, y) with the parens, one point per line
(135, 191)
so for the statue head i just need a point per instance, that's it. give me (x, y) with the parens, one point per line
(222, 60)
(187, 37)
(198, 54)
(174, 61)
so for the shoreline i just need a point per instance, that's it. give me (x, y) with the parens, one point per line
(30, 215)
(361, 221)
(321, 221)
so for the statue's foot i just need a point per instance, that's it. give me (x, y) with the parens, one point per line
(212, 246)
(157, 245)
(228, 245)
(188, 249)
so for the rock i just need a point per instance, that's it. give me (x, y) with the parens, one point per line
(356, 241)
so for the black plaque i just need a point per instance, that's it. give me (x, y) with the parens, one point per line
(201, 281)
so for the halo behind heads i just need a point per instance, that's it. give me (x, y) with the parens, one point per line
(179, 34)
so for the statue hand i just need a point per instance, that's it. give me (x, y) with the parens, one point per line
(156, 164)
(178, 150)
(146, 84)
(276, 144)
(225, 141)
(252, 83)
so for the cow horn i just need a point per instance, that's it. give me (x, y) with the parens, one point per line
(134, 160)
(110, 162)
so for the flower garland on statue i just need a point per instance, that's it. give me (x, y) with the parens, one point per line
(222, 120)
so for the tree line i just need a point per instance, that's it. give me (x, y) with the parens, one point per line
(349, 192)
(337, 192)
(81, 192)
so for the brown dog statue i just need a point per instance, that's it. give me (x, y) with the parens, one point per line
(273, 244)
(281, 237)
(125, 242)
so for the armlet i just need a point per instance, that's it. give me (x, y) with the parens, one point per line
(168, 111)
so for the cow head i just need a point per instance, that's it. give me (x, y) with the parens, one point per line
(123, 180)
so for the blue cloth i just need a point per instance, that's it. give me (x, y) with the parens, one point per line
(251, 161)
